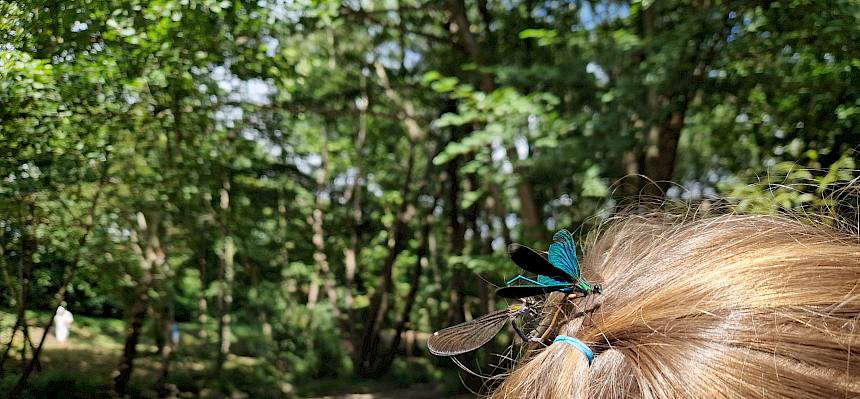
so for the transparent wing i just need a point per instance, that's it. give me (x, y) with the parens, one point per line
(562, 254)
(468, 336)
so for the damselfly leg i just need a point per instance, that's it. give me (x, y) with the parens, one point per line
(521, 277)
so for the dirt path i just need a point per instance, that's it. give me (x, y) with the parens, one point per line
(415, 392)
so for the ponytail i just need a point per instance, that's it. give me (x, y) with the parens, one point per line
(728, 306)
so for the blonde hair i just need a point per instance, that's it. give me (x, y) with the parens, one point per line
(726, 306)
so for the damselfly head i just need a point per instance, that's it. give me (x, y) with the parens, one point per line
(519, 309)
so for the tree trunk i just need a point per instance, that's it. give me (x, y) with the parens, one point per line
(380, 301)
(166, 352)
(356, 190)
(652, 99)
(531, 220)
(283, 226)
(382, 364)
(25, 332)
(661, 152)
(262, 315)
(496, 205)
(225, 300)
(456, 310)
(8, 280)
(630, 184)
(133, 331)
(665, 131)
(202, 305)
(226, 275)
(420, 264)
(433, 258)
(316, 221)
(27, 247)
(457, 232)
(368, 355)
(460, 17)
(151, 258)
(533, 228)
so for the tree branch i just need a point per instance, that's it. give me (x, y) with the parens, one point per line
(413, 129)
(372, 17)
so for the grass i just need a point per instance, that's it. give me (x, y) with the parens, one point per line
(83, 367)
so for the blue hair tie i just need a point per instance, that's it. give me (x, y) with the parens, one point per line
(578, 345)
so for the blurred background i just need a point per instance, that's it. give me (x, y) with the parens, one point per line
(280, 198)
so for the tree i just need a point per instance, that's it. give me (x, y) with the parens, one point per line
(312, 185)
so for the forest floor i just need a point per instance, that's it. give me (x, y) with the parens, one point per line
(415, 392)
(82, 368)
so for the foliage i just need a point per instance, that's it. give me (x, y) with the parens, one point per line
(301, 184)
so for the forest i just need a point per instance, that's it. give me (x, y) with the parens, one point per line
(285, 198)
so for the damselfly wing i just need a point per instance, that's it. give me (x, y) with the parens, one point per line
(531, 261)
(560, 272)
(473, 334)
(562, 254)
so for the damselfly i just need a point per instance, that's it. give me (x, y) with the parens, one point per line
(473, 334)
(560, 272)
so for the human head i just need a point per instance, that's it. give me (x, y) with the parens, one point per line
(725, 306)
